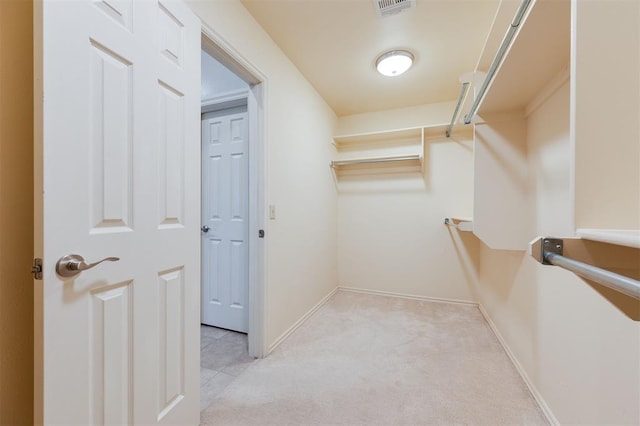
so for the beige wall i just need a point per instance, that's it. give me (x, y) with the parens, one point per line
(16, 213)
(302, 245)
(400, 118)
(606, 131)
(391, 233)
(580, 352)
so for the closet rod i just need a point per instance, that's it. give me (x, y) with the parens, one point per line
(463, 95)
(506, 42)
(459, 223)
(375, 160)
(550, 253)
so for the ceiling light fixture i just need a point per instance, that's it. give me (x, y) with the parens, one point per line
(394, 63)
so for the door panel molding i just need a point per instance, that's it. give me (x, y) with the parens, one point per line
(226, 206)
(119, 343)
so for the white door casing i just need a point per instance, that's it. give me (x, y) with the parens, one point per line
(117, 174)
(225, 172)
(216, 46)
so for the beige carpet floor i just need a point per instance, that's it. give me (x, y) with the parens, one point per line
(374, 360)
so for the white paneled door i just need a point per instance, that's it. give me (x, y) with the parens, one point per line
(117, 175)
(225, 230)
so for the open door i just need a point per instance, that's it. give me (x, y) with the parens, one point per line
(117, 176)
(225, 248)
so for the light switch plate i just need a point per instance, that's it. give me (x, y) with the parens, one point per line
(272, 211)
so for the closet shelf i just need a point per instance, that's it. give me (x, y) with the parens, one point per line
(620, 237)
(410, 134)
(414, 133)
(397, 150)
(380, 152)
(538, 54)
(374, 160)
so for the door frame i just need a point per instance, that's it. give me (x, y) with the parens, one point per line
(213, 44)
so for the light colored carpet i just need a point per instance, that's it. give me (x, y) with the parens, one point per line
(366, 359)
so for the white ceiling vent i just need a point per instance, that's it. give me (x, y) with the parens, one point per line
(386, 8)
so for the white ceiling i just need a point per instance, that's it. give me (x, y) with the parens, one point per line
(335, 43)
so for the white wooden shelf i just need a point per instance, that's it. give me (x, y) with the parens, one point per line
(533, 68)
(390, 149)
(369, 161)
(385, 151)
(621, 237)
(539, 53)
(396, 136)
(523, 116)
(604, 120)
(374, 138)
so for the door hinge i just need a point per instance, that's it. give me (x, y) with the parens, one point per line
(36, 269)
(261, 233)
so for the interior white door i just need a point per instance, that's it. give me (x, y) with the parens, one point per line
(225, 171)
(117, 125)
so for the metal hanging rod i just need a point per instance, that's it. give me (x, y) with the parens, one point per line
(506, 42)
(463, 95)
(339, 163)
(459, 223)
(550, 252)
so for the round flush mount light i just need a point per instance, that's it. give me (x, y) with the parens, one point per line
(394, 63)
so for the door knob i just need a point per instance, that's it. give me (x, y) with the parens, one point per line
(205, 228)
(72, 264)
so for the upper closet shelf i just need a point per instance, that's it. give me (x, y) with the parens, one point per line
(378, 137)
(416, 134)
(621, 237)
(389, 149)
(384, 150)
(538, 56)
(376, 160)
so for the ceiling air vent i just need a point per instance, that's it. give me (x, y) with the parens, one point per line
(386, 8)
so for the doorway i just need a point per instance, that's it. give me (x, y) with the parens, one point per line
(232, 95)
(225, 198)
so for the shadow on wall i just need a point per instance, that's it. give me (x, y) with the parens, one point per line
(619, 259)
(505, 141)
(500, 281)
(467, 248)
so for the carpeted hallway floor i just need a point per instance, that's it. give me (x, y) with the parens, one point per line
(365, 359)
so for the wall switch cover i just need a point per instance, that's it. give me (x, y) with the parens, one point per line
(272, 211)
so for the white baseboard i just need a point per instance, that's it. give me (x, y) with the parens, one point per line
(408, 296)
(301, 321)
(536, 395)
